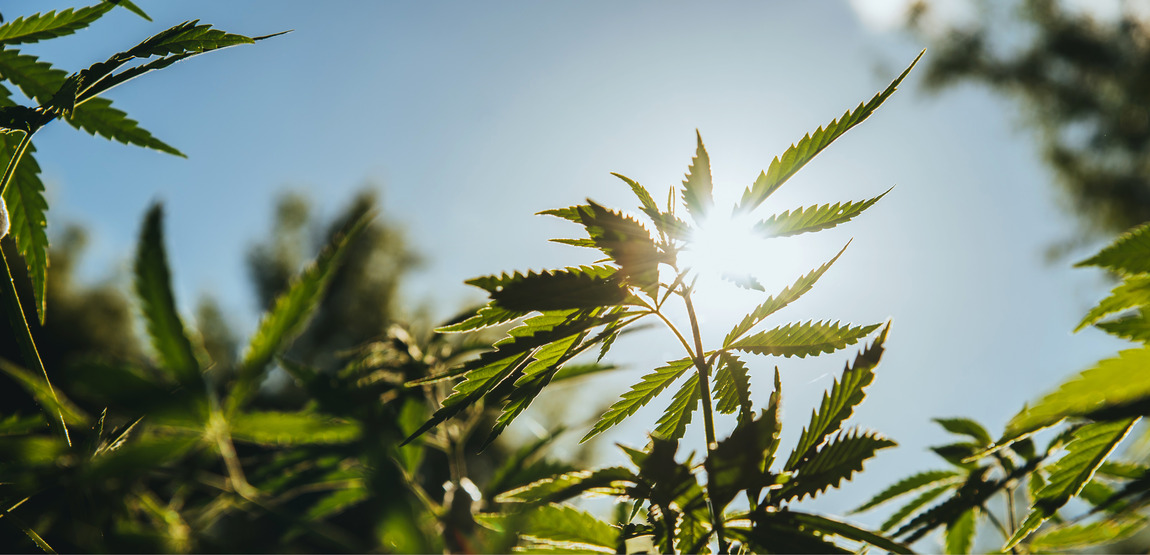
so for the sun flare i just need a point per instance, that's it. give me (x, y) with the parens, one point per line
(725, 247)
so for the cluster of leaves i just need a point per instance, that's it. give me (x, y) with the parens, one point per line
(1092, 411)
(569, 311)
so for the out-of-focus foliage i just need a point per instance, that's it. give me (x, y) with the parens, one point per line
(1082, 84)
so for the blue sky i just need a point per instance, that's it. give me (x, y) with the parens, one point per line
(470, 117)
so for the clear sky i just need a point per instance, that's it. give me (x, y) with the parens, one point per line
(470, 117)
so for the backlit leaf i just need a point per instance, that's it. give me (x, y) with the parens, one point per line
(833, 527)
(1129, 254)
(813, 218)
(1080, 536)
(777, 302)
(1131, 293)
(839, 403)
(674, 421)
(153, 284)
(697, 185)
(966, 427)
(568, 527)
(627, 242)
(640, 394)
(797, 156)
(922, 500)
(960, 532)
(53, 402)
(613, 479)
(1135, 327)
(555, 290)
(803, 339)
(1110, 385)
(733, 387)
(1090, 446)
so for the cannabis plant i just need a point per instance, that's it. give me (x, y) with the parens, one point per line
(1091, 414)
(688, 506)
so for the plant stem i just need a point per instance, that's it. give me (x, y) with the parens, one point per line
(708, 416)
(24, 338)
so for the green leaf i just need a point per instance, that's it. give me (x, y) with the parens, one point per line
(40, 81)
(966, 427)
(1110, 386)
(27, 216)
(797, 156)
(803, 339)
(522, 466)
(827, 526)
(41, 26)
(838, 459)
(586, 287)
(738, 461)
(909, 484)
(777, 302)
(628, 244)
(1080, 536)
(291, 311)
(1087, 450)
(615, 479)
(291, 428)
(733, 387)
(128, 5)
(646, 203)
(188, 36)
(697, 185)
(53, 402)
(154, 291)
(813, 218)
(487, 316)
(640, 394)
(336, 502)
(972, 493)
(1132, 293)
(839, 403)
(779, 532)
(566, 527)
(673, 423)
(1129, 254)
(915, 504)
(960, 532)
(536, 375)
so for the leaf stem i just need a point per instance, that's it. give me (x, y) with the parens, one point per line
(704, 367)
(24, 338)
(10, 171)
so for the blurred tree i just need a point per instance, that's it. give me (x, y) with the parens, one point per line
(362, 301)
(1083, 84)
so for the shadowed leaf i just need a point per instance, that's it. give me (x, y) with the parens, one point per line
(674, 421)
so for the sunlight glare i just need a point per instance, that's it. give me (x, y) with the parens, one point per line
(725, 246)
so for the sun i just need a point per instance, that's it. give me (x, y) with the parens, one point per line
(725, 247)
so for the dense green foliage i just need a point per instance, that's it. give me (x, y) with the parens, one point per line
(388, 438)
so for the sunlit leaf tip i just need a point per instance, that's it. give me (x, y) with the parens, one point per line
(697, 187)
(797, 155)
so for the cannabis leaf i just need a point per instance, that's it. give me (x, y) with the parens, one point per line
(813, 218)
(697, 185)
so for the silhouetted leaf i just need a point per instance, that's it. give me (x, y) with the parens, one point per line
(733, 387)
(640, 394)
(291, 428)
(833, 527)
(907, 485)
(839, 458)
(1110, 385)
(803, 339)
(486, 316)
(1091, 445)
(915, 504)
(697, 185)
(627, 242)
(674, 421)
(153, 284)
(972, 493)
(797, 156)
(813, 218)
(1129, 254)
(778, 532)
(777, 302)
(839, 403)
(586, 287)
